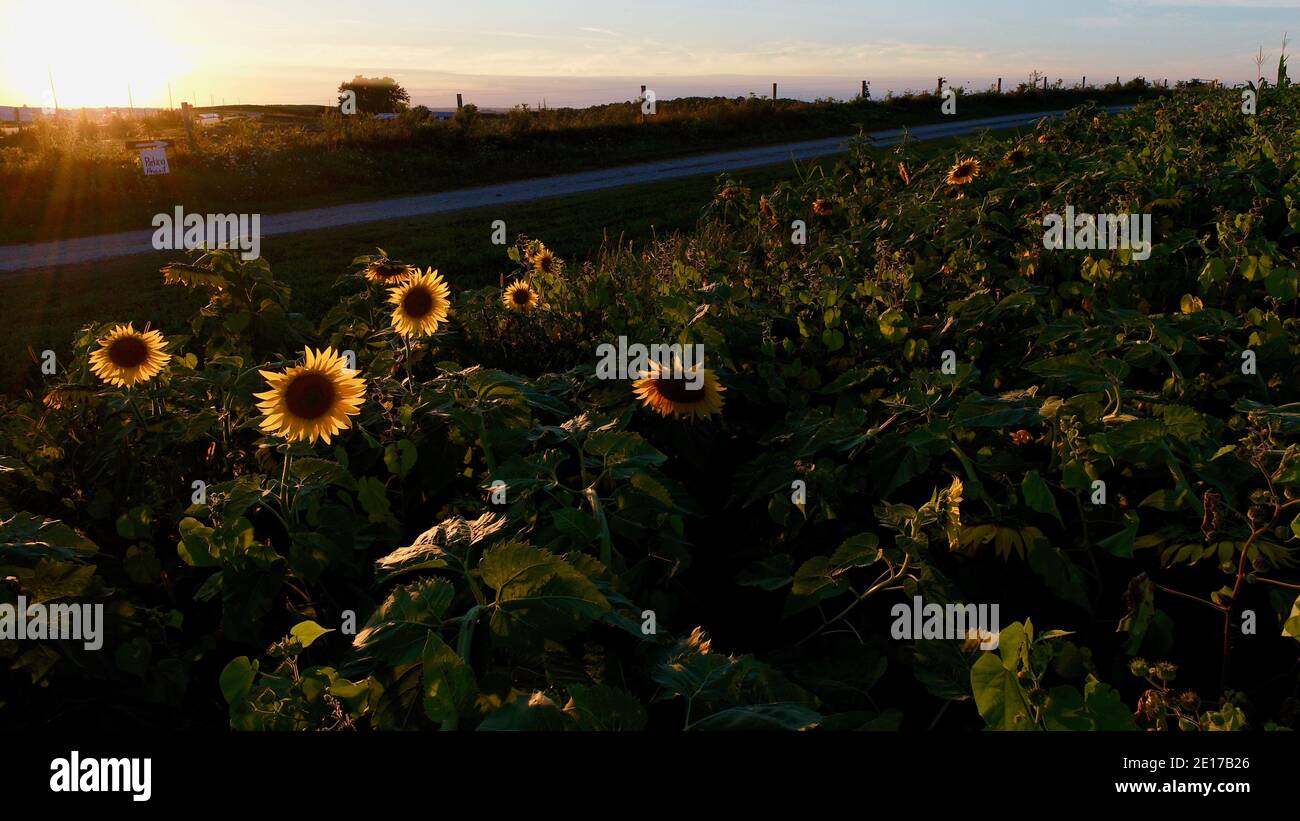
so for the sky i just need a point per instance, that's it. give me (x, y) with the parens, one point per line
(564, 53)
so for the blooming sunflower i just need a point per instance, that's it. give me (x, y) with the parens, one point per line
(312, 401)
(822, 208)
(385, 271)
(964, 171)
(423, 302)
(520, 297)
(127, 356)
(673, 395)
(1015, 156)
(545, 261)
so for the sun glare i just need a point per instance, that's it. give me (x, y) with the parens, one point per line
(93, 52)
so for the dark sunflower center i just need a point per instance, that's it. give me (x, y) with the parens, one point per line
(544, 264)
(310, 395)
(417, 303)
(965, 170)
(128, 352)
(521, 296)
(678, 390)
(390, 271)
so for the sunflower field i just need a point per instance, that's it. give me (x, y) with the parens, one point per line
(428, 509)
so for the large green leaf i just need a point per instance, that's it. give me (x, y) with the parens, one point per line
(786, 716)
(539, 595)
(447, 683)
(396, 632)
(998, 695)
(601, 707)
(1038, 495)
(27, 536)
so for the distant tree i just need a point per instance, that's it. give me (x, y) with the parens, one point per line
(465, 117)
(376, 95)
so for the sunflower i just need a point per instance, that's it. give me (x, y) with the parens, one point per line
(312, 401)
(964, 171)
(68, 396)
(822, 208)
(1046, 139)
(673, 395)
(520, 297)
(423, 302)
(385, 271)
(544, 261)
(193, 276)
(1015, 156)
(127, 356)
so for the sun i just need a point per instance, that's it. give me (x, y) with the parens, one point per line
(90, 55)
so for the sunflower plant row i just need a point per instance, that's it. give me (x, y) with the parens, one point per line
(428, 508)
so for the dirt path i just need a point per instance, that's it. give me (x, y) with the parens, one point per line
(105, 246)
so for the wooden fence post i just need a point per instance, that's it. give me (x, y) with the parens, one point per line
(774, 93)
(186, 117)
(459, 102)
(999, 85)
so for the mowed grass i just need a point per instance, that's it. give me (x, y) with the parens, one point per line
(44, 308)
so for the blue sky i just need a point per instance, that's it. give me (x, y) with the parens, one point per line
(573, 53)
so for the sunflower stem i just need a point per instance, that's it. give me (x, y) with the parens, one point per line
(130, 398)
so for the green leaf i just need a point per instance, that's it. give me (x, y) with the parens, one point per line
(1105, 707)
(1281, 283)
(998, 695)
(51, 580)
(771, 573)
(237, 679)
(1038, 495)
(539, 595)
(1121, 543)
(448, 682)
(133, 656)
(396, 632)
(1292, 626)
(400, 457)
(602, 707)
(451, 539)
(1062, 576)
(307, 632)
(814, 581)
(529, 714)
(786, 716)
(373, 496)
(28, 536)
(856, 551)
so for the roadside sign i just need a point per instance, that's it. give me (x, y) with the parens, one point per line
(153, 155)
